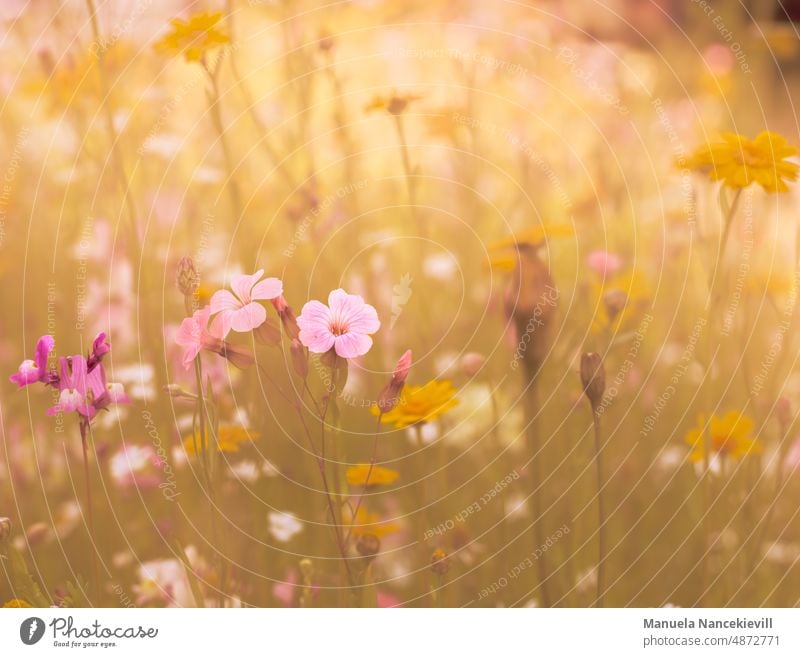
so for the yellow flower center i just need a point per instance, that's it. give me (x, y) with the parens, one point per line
(751, 156)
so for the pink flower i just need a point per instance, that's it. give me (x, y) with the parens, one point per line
(33, 371)
(344, 325)
(604, 263)
(85, 391)
(194, 335)
(390, 395)
(73, 386)
(240, 311)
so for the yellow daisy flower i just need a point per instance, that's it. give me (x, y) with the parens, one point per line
(357, 475)
(739, 161)
(194, 37)
(730, 435)
(421, 404)
(16, 603)
(370, 523)
(502, 254)
(229, 439)
(394, 103)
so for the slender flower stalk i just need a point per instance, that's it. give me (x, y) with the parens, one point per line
(593, 378)
(96, 588)
(214, 105)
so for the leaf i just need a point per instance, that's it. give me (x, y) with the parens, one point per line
(76, 593)
(23, 584)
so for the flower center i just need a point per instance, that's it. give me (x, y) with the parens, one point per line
(751, 157)
(722, 444)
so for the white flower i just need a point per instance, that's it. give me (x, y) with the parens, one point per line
(283, 525)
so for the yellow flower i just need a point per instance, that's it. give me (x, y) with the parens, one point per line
(203, 294)
(16, 603)
(394, 104)
(502, 255)
(780, 284)
(618, 301)
(370, 523)
(420, 404)
(194, 37)
(739, 161)
(229, 439)
(729, 436)
(357, 475)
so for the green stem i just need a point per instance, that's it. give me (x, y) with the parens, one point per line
(601, 513)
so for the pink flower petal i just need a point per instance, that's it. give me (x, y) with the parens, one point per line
(317, 341)
(224, 300)
(314, 315)
(351, 345)
(221, 324)
(243, 284)
(246, 319)
(269, 288)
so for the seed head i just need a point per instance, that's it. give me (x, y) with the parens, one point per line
(188, 279)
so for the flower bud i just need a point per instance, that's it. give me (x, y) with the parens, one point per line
(783, 409)
(188, 280)
(307, 569)
(325, 42)
(368, 546)
(593, 378)
(236, 355)
(440, 563)
(531, 300)
(389, 397)
(37, 533)
(288, 318)
(5, 529)
(472, 363)
(299, 359)
(174, 390)
(269, 333)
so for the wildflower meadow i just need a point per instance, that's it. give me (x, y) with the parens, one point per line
(399, 304)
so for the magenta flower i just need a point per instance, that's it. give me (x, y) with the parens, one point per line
(34, 371)
(240, 311)
(73, 386)
(194, 335)
(83, 391)
(344, 325)
(100, 347)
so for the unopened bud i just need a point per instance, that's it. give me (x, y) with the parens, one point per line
(37, 533)
(307, 569)
(531, 300)
(237, 356)
(389, 397)
(269, 333)
(288, 318)
(368, 546)
(783, 409)
(5, 529)
(440, 563)
(188, 279)
(299, 359)
(472, 363)
(593, 378)
(325, 42)
(175, 391)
